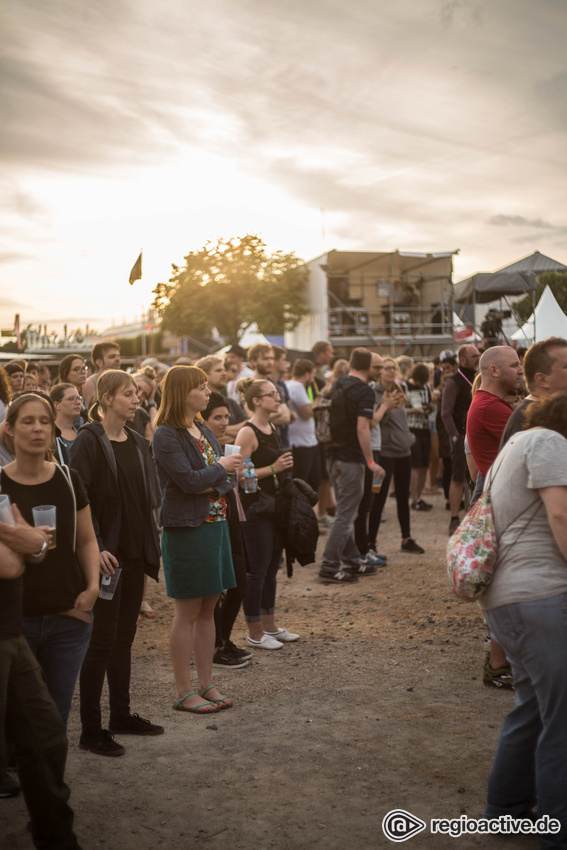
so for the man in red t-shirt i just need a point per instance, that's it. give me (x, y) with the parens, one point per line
(488, 414)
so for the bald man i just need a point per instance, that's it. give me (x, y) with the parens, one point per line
(488, 414)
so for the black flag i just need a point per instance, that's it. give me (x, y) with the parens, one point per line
(136, 273)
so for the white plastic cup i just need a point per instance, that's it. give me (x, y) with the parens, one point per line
(108, 584)
(47, 515)
(6, 515)
(377, 483)
(231, 449)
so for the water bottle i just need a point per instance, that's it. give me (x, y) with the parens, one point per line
(249, 473)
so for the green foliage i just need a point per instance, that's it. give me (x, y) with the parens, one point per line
(557, 282)
(133, 346)
(230, 285)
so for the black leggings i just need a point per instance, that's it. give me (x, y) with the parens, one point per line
(110, 650)
(400, 469)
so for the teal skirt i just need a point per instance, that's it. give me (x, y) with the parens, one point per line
(197, 562)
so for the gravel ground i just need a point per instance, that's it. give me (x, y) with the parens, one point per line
(379, 706)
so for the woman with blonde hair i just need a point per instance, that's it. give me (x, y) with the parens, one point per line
(259, 441)
(197, 561)
(116, 466)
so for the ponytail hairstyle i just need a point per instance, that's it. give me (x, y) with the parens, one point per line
(57, 392)
(109, 383)
(251, 388)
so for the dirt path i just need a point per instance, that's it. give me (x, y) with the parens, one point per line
(380, 706)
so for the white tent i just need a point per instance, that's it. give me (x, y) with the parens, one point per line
(550, 320)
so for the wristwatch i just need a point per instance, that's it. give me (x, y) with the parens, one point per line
(44, 548)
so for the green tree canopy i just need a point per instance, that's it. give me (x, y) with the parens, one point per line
(557, 282)
(230, 285)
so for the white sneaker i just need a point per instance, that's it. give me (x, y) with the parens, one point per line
(265, 642)
(283, 635)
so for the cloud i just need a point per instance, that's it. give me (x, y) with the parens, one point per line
(501, 220)
(9, 257)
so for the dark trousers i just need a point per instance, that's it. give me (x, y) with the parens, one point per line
(264, 551)
(447, 474)
(400, 469)
(307, 464)
(110, 650)
(36, 731)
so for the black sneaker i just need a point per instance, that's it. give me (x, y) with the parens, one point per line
(338, 577)
(223, 657)
(9, 787)
(411, 546)
(362, 570)
(102, 743)
(135, 725)
(420, 505)
(243, 654)
(453, 525)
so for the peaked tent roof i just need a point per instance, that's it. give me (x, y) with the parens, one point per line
(550, 320)
(515, 279)
(488, 286)
(536, 262)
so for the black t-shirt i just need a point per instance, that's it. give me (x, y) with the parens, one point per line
(268, 451)
(516, 422)
(359, 400)
(51, 586)
(10, 607)
(132, 490)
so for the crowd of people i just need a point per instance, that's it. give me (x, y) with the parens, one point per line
(153, 466)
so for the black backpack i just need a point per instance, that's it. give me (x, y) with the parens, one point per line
(333, 425)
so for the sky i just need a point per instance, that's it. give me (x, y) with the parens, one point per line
(421, 125)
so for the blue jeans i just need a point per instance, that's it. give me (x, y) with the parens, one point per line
(531, 757)
(264, 549)
(59, 643)
(347, 480)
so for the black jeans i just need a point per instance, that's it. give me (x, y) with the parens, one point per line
(110, 650)
(400, 468)
(36, 731)
(264, 550)
(307, 464)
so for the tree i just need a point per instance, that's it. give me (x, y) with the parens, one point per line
(557, 282)
(230, 285)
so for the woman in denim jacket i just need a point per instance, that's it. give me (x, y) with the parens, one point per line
(197, 559)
